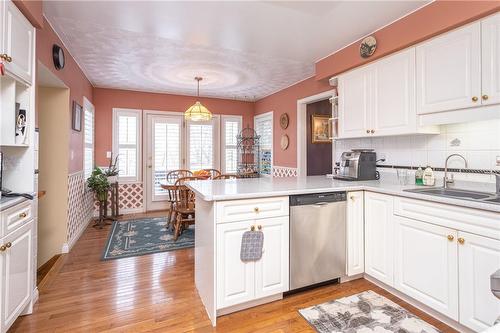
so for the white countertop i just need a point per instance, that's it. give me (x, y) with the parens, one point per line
(7, 202)
(231, 189)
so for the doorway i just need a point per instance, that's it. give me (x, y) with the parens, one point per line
(319, 154)
(173, 143)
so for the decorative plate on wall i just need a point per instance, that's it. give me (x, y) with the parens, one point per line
(285, 141)
(368, 47)
(284, 120)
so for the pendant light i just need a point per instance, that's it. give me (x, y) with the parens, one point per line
(197, 112)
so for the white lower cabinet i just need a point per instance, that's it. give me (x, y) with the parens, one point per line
(16, 273)
(239, 282)
(426, 264)
(379, 239)
(479, 257)
(355, 233)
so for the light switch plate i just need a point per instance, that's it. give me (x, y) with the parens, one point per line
(108, 154)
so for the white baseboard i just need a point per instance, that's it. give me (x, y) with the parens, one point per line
(448, 321)
(132, 210)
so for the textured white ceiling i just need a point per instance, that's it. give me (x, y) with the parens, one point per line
(243, 50)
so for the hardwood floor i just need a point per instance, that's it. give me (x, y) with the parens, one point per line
(156, 293)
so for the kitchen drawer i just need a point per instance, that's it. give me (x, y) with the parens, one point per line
(14, 217)
(471, 220)
(241, 210)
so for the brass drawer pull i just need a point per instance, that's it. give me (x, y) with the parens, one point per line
(252, 228)
(485, 97)
(372, 131)
(451, 238)
(259, 227)
(3, 248)
(474, 99)
(256, 209)
(22, 215)
(461, 240)
(8, 245)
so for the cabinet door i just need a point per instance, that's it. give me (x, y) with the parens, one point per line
(271, 271)
(490, 32)
(379, 240)
(394, 94)
(355, 234)
(354, 103)
(18, 42)
(479, 257)
(17, 287)
(426, 264)
(235, 279)
(449, 71)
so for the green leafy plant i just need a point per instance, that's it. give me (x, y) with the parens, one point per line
(99, 184)
(112, 169)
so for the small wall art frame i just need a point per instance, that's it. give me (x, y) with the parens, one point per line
(76, 118)
(320, 129)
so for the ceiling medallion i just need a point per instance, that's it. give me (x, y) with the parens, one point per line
(197, 112)
(368, 47)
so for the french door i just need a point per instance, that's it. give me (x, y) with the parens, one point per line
(171, 144)
(164, 142)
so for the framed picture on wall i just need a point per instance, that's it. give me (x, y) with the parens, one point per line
(320, 129)
(76, 119)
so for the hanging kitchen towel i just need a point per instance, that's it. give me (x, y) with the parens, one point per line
(251, 245)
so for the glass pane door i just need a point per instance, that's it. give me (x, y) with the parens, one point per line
(202, 140)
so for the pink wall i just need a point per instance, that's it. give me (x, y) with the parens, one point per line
(74, 78)
(431, 20)
(32, 10)
(286, 101)
(107, 99)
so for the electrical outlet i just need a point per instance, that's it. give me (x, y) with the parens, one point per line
(108, 154)
(498, 161)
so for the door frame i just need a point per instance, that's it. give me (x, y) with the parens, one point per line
(145, 123)
(302, 130)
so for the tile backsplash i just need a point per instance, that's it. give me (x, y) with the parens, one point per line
(478, 142)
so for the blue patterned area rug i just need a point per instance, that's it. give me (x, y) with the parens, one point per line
(364, 312)
(144, 236)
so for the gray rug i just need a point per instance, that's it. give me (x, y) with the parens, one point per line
(144, 236)
(362, 313)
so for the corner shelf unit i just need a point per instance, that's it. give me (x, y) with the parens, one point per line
(14, 92)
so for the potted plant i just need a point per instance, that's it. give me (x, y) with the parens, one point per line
(112, 170)
(99, 184)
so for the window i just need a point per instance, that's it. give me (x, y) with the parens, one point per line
(88, 139)
(127, 143)
(231, 127)
(166, 149)
(264, 127)
(203, 144)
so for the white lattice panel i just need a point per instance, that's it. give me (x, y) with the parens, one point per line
(130, 197)
(284, 171)
(80, 206)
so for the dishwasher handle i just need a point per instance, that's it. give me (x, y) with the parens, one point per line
(317, 198)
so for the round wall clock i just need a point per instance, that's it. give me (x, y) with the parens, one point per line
(285, 141)
(284, 120)
(58, 57)
(368, 47)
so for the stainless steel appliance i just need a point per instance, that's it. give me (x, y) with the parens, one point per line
(317, 238)
(358, 165)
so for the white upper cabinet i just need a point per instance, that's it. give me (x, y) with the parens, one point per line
(479, 257)
(449, 71)
(354, 103)
(490, 30)
(426, 264)
(394, 95)
(18, 36)
(355, 234)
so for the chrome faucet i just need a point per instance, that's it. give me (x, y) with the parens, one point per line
(450, 180)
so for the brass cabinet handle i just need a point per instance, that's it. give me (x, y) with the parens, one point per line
(252, 228)
(352, 197)
(5, 57)
(474, 99)
(3, 248)
(259, 227)
(451, 238)
(367, 131)
(8, 245)
(485, 97)
(256, 209)
(372, 131)
(22, 215)
(461, 240)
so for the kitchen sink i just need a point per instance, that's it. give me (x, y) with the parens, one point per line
(458, 194)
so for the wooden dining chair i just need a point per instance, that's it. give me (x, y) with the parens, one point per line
(183, 206)
(213, 172)
(226, 176)
(171, 178)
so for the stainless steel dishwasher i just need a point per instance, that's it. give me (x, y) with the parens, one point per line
(317, 238)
